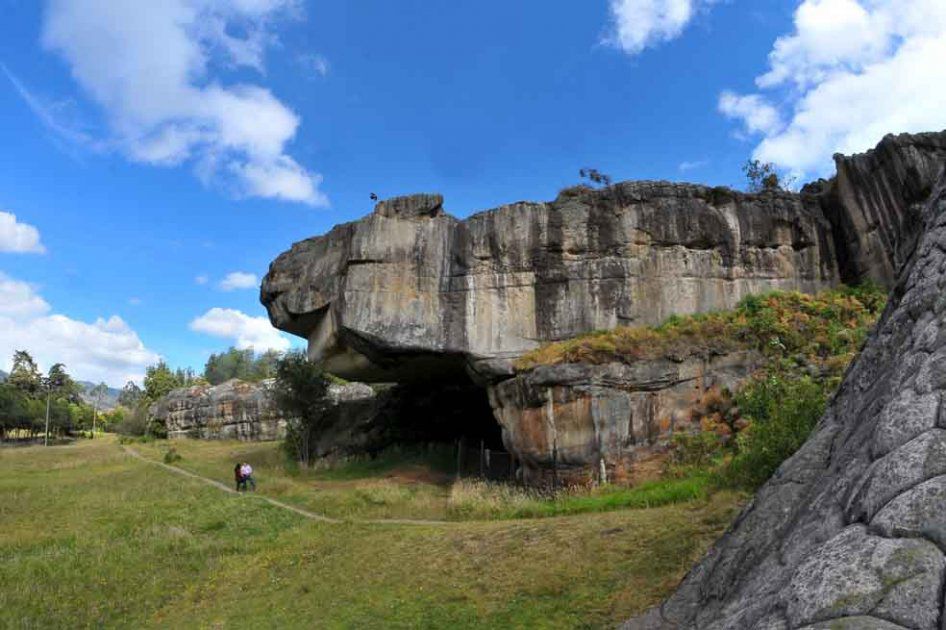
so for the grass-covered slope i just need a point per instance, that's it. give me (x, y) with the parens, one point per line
(828, 328)
(93, 537)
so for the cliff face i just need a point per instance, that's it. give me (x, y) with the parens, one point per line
(849, 531)
(410, 292)
(587, 421)
(875, 202)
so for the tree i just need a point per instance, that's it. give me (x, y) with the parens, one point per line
(25, 375)
(764, 176)
(299, 391)
(130, 395)
(98, 393)
(242, 364)
(160, 380)
(595, 176)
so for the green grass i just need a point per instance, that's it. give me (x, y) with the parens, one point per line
(93, 537)
(480, 500)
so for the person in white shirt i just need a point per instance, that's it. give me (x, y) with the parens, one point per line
(246, 471)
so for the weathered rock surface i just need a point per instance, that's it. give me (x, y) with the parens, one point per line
(232, 410)
(849, 531)
(246, 411)
(411, 292)
(574, 418)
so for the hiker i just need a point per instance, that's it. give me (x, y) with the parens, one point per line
(246, 471)
(238, 477)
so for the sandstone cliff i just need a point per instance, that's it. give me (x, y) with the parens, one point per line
(849, 532)
(410, 292)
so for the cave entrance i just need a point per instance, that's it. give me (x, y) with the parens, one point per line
(447, 413)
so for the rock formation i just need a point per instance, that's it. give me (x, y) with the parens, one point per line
(232, 410)
(410, 292)
(574, 419)
(849, 532)
(412, 295)
(246, 411)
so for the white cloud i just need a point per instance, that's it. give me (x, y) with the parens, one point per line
(104, 350)
(18, 237)
(640, 24)
(757, 115)
(247, 332)
(849, 73)
(154, 69)
(201, 279)
(19, 299)
(239, 280)
(135, 301)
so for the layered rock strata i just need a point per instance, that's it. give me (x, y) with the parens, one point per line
(578, 421)
(246, 411)
(410, 292)
(849, 532)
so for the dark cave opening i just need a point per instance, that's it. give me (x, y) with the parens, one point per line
(447, 412)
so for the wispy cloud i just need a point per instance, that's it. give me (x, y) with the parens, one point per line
(314, 64)
(686, 166)
(53, 116)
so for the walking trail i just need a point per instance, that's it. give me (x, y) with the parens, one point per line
(315, 516)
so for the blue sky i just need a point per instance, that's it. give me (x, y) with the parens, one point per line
(148, 153)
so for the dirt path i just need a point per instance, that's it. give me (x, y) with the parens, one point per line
(315, 516)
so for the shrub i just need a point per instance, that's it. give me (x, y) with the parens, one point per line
(171, 456)
(781, 412)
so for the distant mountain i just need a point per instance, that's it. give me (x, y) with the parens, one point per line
(3, 376)
(111, 397)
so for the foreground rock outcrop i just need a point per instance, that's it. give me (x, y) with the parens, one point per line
(849, 533)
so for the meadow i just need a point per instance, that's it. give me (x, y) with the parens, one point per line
(92, 536)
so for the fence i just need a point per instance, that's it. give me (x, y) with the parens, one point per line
(485, 463)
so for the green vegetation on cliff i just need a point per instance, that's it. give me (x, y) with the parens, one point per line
(827, 328)
(806, 341)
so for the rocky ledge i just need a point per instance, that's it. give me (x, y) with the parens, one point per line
(412, 293)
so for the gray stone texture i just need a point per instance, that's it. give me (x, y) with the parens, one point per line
(574, 416)
(850, 532)
(411, 292)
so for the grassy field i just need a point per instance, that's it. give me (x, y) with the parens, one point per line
(93, 537)
(413, 485)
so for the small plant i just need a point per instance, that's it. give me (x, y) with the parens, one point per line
(764, 176)
(171, 456)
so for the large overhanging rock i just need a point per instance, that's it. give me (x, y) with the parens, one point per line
(410, 292)
(851, 531)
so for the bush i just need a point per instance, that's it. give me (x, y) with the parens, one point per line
(781, 413)
(171, 456)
